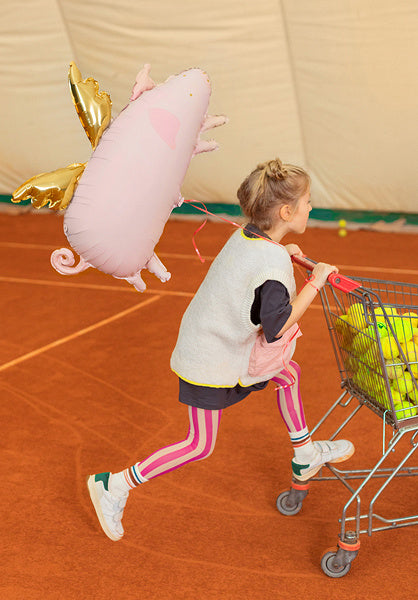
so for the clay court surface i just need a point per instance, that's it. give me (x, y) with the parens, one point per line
(86, 386)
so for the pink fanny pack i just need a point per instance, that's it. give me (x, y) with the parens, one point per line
(268, 358)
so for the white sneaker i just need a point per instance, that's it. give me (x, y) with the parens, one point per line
(109, 508)
(327, 452)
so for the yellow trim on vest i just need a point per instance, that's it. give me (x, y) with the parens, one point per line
(210, 385)
(253, 239)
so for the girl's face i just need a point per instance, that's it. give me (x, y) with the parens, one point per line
(299, 218)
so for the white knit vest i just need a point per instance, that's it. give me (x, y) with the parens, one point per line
(216, 333)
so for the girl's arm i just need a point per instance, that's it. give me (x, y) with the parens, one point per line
(305, 297)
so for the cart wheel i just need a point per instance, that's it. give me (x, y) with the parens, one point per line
(284, 508)
(330, 568)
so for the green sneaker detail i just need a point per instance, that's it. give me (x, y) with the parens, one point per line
(297, 468)
(104, 478)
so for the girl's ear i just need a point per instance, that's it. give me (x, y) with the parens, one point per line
(285, 212)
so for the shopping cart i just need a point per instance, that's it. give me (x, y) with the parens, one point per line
(373, 325)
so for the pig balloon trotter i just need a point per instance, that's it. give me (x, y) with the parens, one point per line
(118, 203)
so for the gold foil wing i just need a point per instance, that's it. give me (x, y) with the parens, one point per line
(56, 188)
(94, 108)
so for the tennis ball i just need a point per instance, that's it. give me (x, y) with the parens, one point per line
(366, 338)
(411, 352)
(383, 398)
(356, 316)
(343, 327)
(405, 409)
(413, 395)
(413, 317)
(371, 358)
(403, 384)
(414, 369)
(403, 329)
(394, 368)
(342, 232)
(382, 313)
(397, 397)
(389, 347)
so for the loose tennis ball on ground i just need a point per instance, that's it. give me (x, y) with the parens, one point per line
(356, 316)
(403, 329)
(394, 368)
(413, 317)
(389, 311)
(389, 347)
(405, 409)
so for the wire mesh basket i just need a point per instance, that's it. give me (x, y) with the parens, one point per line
(374, 331)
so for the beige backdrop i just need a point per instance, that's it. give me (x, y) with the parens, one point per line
(329, 84)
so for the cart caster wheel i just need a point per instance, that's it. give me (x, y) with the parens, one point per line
(284, 508)
(331, 568)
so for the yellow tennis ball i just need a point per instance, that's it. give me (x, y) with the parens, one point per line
(403, 384)
(413, 395)
(405, 409)
(394, 368)
(411, 352)
(356, 316)
(413, 317)
(389, 347)
(403, 329)
(414, 369)
(386, 311)
(342, 232)
(397, 396)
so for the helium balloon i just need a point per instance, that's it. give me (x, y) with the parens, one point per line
(128, 188)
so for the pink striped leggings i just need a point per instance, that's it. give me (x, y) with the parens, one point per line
(204, 425)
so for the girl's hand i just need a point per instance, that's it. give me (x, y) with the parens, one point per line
(294, 249)
(321, 273)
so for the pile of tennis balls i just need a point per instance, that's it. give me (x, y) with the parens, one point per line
(363, 358)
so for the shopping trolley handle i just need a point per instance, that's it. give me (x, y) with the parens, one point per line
(338, 281)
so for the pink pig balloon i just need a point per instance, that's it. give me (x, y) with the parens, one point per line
(132, 180)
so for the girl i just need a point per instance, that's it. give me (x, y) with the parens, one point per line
(238, 332)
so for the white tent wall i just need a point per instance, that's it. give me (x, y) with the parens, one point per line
(331, 85)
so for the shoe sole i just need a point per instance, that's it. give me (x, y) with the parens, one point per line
(315, 470)
(97, 507)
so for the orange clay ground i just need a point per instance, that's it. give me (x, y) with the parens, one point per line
(86, 386)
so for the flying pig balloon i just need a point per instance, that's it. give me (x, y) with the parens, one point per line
(132, 181)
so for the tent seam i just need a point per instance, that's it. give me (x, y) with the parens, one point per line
(69, 37)
(294, 80)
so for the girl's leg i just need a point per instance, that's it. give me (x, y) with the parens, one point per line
(198, 444)
(290, 405)
(309, 456)
(109, 492)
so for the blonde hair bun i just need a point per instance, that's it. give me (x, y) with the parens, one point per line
(274, 169)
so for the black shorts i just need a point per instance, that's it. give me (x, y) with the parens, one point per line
(212, 398)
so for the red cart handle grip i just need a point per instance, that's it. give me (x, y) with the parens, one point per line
(338, 281)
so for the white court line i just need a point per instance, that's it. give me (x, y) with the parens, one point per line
(93, 286)
(77, 334)
(342, 268)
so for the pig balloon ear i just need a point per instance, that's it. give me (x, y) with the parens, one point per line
(143, 83)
